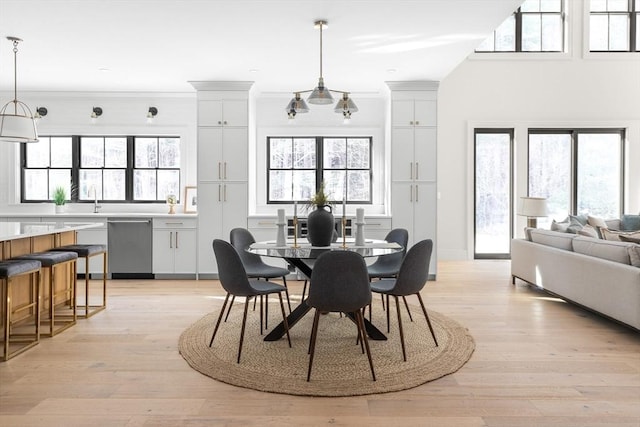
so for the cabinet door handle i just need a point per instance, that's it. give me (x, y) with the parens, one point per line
(416, 193)
(219, 193)
(225, 192)
(410, 170)
(411, 122)
(225, 170)
(171, 240)
(417, 123)
(176, 240)
(219, 174)
(411, 193)
(219, 122)
(225, 122)
(417, 170)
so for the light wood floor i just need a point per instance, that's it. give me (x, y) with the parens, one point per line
(538, 362)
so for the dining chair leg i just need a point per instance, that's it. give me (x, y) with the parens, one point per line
(388, 314)
(314, 333)
(286, 291)
(244, 323)
(426, 316)
(261, 313)
(266, 312)
(404, 352)
(359, 339)
(407, 306)
(311, 338)
(284, 319)
(215, 330)
(363, 333)
(233, 298)
(383, 305)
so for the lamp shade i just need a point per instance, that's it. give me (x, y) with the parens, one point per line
(320, 95)
(533, 207)
(17, 127)
(345, 104)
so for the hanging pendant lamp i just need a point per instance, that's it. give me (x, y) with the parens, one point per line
(16, 120)
(321, 95)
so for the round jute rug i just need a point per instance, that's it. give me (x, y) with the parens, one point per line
(339, 367)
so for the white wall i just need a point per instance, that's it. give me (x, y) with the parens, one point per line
(577, 89)
(123, 114)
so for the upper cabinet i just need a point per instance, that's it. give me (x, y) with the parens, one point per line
(228, 112)
(414, 112)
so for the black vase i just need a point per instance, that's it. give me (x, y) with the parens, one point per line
(320, 226)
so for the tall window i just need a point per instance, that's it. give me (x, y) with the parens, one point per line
(493, 201)
(537, 26)
(106, 168)
(45, 166)
(579, 171)
(613, 26)
(297, 166)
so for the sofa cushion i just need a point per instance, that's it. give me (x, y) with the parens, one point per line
(615, 235)
(612, 251)
(634, 255)
(630, 222)
(554, 239)
(580, 219)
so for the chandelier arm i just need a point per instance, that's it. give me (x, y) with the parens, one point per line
(302, 91)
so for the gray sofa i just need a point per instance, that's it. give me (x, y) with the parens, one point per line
(594, 273)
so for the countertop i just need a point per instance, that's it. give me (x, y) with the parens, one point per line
(20, 230)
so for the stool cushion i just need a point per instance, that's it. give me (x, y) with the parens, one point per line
(10, 268)
(50, 258)
(82, 250)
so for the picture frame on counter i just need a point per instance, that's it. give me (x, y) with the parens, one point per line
(190, 200)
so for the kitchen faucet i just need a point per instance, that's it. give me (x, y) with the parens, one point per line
(96, 206)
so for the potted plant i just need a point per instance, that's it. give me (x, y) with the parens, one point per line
(59, 198)
(320, 222)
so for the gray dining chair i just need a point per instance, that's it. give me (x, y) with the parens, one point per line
(241, 239)
(234, 280)
(339, 283)
(388, 266)
(412, 277)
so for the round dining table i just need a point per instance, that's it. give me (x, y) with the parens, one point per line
(299, 256)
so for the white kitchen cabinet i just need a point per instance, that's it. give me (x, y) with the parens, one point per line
(223, 112)
(174, 246)
(222, 154)
(224, 208)
(223, 145)
(414, 160)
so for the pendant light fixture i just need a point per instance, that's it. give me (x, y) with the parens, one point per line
(16, 120)
(321, 95)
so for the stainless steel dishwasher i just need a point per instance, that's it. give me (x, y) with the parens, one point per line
(130, 248)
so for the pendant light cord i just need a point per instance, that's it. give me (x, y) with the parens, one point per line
(15, 76)
(321, 24)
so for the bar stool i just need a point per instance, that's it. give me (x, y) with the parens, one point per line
(51, 260)
(10, 270)
(85, 252)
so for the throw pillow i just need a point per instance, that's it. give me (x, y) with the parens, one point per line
(615, 235)
(630, 222)
(589, 231)
(597, 223)
(581, 219)
(560, 226)
(575, 225)
(625, 238)
(634, 255)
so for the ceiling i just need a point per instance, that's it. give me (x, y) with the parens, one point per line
(160, 45)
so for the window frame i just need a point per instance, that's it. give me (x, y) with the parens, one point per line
(319, 168)
(75, 170)
(518, 15)
(511, 133)
(574, 135)
(633, 15)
